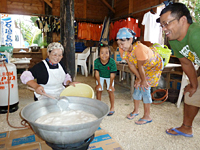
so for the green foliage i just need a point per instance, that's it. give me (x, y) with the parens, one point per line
(26, 31)
(33, 19)
(39, 40)
(30, 32)
(194, 7)
(197, 11)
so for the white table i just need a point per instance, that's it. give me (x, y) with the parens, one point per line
(21, 63)
(170, 69)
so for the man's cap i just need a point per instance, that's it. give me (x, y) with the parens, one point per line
(167, 3)
(158, 20)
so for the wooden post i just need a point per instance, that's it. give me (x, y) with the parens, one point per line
(67, 34)
(49, 35)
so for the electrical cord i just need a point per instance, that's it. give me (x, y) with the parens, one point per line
(162, 99)
(24, 123)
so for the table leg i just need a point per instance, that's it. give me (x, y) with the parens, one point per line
(120, 76)
(168, 80)
(127, 78)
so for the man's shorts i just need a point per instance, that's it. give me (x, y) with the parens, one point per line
(107, 83)
(195, 99)
(139, 94)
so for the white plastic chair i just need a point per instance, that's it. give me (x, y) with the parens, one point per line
(184, 82)
(81, 59)
(93, 56)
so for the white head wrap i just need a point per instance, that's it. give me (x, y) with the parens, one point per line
(55, 45)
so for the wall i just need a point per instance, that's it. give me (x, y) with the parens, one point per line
(85, 10)
(25, 7)
(94, 10)
(123, 8)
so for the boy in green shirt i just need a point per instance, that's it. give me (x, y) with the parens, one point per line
(105, 69)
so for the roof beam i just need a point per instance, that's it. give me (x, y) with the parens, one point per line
(106, 3)
(49, 3)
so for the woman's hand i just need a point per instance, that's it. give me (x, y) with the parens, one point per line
(111, 89)
(144, 85)
(137, 83)
(73, 83)
(40, 90)
(98, 87)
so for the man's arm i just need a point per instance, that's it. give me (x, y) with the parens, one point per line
(190, 71)
(133, 69)
(144, 83)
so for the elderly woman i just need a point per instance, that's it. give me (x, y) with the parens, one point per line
(50, 73)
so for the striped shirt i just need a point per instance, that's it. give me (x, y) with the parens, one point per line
(105, 70)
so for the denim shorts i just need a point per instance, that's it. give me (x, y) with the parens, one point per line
(139, 94)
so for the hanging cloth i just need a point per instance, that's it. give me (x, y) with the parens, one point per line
(152, 28)
(84, 31)
(105, 31)
(130, 23)
(89, 35)
(92, 31)
(75, 29)
(79, 30)
(136, 29)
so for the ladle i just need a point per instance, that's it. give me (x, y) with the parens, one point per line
(62, 103)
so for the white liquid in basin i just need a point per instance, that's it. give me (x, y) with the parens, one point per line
(71, 117)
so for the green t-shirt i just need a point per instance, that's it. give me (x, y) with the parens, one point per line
(105, 70)
(189, 47)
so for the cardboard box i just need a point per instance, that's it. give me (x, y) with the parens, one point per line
(26, 140)
(104, 141)
(3, 138)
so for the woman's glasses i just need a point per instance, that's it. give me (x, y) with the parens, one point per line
(56, 55)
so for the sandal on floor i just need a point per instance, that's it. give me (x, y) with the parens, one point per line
(179, 133)
(111, 113)
(146, 121)
(132, 116)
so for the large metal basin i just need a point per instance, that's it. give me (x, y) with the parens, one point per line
(65, 134)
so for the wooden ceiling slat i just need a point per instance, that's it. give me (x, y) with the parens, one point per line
(25, 1)
(130, 10)
(3, 6)
(48, 2)
(85, 9)
(106, 3)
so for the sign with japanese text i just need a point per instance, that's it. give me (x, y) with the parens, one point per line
(7, 30)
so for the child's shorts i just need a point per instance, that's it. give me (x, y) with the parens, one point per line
(139, 94)
(107, 82)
